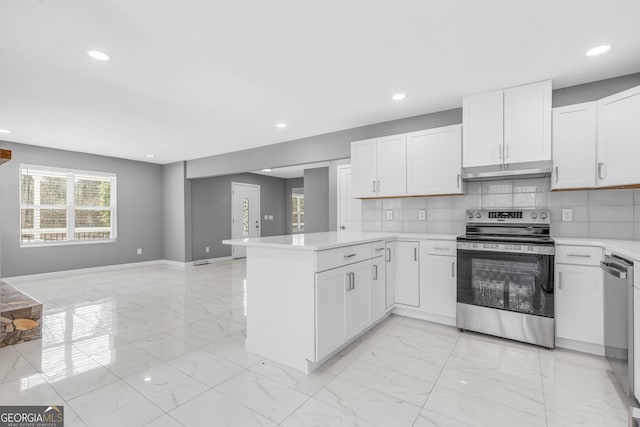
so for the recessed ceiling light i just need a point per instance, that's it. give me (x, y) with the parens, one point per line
(267, 170)
(281, 125)
(151, 156)
(399, 96)
(5, 131)
(100, 56)
(598, 50)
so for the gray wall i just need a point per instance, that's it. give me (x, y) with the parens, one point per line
(176, 202)
(316, 200)
(211, 211)
(330, 146)
(290, 184)
(139, 219)
(594, 90)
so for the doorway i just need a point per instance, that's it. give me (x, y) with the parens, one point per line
(349, 209)
(245, 215)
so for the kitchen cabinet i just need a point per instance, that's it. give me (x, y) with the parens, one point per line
(379, 167)
(403, 272)
(507, 126)
(574, 146)
(441, 285)
(619, 139)
(579, 295)
(636, 329)
(434, 161)
(378, 288)
(343, 305)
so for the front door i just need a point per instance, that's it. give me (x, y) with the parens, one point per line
(245, 215)
(349, 209)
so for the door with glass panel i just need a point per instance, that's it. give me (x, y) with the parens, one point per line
(245, 215)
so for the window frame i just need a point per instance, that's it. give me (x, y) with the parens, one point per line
(297, 213)
(70, 205)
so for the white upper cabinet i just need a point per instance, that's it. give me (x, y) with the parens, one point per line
(434, 161)
(574, 146)
(363, 168)
(392, 166)
(507, 126)
(619, 139)
(379, 167)
(483, 131)
(527, 123)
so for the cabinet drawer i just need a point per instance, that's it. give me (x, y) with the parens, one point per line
(333, 258)
(580, 255)
(377, 248)
(441, 247)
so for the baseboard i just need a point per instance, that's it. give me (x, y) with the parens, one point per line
(417, 314)
(580, 346)
(211, 260)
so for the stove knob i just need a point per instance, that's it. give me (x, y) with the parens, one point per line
(470, 214)
(534, 215)
(478, 214)
(543, 215)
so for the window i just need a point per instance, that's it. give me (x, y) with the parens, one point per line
(62, 205)
(297, 210)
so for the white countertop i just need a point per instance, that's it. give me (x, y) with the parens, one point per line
(331, 239)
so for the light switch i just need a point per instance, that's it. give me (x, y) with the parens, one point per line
(389, 214)
(422, 215)
(266, 217)
(567, 215)
(270, 217)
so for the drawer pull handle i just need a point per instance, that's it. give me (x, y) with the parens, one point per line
(379, 249)
(440, 248)
(579, 255)
(349, 256)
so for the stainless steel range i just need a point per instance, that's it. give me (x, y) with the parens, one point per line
(505, 275)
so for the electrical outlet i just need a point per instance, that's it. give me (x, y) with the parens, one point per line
(270, 217)
(422, 215)
(206, 250)
(389, 215)
(567, 215)
(139, 251)
(266, 217)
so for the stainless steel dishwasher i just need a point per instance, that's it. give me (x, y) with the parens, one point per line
(618, 318)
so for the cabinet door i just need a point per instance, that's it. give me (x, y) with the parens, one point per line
(331, 310)
(574, 146)
(636, 341)
(359, 299)
(392, 166)
(390, 275)
(434, 161)
(619, 138)
(527, 123)
(441, 285)
(378, 290)
(482, 131)
(404, 266)
(579, 303)
(363, 168)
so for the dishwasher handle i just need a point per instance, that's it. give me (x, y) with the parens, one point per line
(613, 269)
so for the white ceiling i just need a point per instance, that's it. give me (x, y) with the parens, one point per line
(292, 171)
(199, 78)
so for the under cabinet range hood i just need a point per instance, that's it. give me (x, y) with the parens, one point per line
(540, 169)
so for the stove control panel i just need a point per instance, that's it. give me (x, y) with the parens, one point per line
(509, 216)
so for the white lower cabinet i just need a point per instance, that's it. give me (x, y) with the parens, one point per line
(579, 303)
(441, 285)
(378, 288)
(636, 336)
(403, 272)
(343, 305)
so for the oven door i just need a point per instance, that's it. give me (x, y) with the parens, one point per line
(519, 282)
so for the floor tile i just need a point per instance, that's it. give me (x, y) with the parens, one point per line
(307, 384)
(205, 367)
(375, 407)
(263, 395)
(421, 369)
(166, 386)
(164, 346)
(164, 421)
(316, 413)
(115, 404)
(428, 418)
(215, 409)
(232, 349)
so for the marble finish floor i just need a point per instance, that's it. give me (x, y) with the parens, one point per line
(164, 346)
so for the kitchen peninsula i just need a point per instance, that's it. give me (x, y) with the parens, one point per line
(309, 295)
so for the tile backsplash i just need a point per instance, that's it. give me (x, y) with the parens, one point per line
(612, 214)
